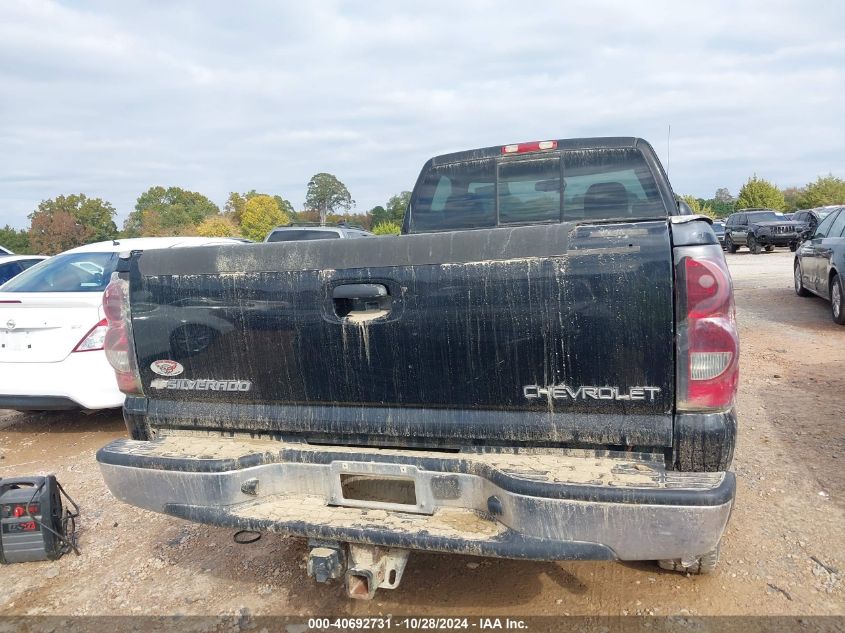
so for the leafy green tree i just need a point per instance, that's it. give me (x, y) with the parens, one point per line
(69, 221)
(758, 192)
(234, 206)
(217, 226)
(94, 215)
(397, 205)
(97, 216)
(824, 191)
(720, 209)
(794, 198)
(285, 205)
(722, 203)
(15, 240)
(377, 215)
(236, 202)
(326, 194)
(261, 214)
(698, 206)
(723, 195)
(176, 211)
(147, 223)
(393, 211)
(387, 228)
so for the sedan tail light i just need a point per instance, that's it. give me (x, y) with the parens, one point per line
(118, 343)
(707, 342)
(93, 340)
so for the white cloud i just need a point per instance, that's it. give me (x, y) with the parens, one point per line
(111, 98)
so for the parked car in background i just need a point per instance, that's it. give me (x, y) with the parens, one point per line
(13, 265)
(820, 263)
(301, 232)
(811, 218)
(52, 328)
(5, 251)
(719, 229)
(758, 229)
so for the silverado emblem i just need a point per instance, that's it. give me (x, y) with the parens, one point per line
(565, 392)
(206, 384)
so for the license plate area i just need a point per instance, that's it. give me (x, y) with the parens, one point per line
(380, 487)
(15, 341)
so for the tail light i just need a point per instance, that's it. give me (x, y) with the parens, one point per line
(93, 340)
(707, 341)
(118, 342)
(534, 146)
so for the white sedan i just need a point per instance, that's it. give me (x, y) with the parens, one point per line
(52, 328)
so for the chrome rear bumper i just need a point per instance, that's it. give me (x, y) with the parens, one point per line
(552, 506)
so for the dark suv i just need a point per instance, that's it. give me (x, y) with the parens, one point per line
(760, 228)
(300, 232)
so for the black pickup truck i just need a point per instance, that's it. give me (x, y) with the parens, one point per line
(543, 366)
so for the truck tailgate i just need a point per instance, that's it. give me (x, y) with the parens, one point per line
(544, 334)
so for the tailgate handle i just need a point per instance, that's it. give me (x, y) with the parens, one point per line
(359, 291)
(361, 300)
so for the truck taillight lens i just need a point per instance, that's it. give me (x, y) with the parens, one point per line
(707, 341)
(118, 343)
(115, 300)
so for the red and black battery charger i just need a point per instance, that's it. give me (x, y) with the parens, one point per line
(33, 523)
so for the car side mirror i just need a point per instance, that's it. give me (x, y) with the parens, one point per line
(684, 208)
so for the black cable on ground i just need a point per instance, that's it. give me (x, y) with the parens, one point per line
(245, 537)
(67, 538)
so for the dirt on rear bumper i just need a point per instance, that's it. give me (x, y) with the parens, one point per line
(560, 505)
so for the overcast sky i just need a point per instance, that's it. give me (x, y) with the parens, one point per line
(110, 98)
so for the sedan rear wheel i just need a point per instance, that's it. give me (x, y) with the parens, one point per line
(837, 296)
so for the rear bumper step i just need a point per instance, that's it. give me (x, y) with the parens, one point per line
(573, 505)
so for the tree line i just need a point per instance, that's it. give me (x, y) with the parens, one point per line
(759, 192)
(73, 220)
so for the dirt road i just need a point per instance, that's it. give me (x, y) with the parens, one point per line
(784, 551)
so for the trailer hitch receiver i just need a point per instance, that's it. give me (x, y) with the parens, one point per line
(371, 567)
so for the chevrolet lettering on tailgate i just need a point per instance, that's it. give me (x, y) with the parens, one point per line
(565, 392)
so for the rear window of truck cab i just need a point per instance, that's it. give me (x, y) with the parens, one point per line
(572, 185)
(297, 235)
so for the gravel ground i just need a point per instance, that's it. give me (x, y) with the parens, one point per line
(783, 552)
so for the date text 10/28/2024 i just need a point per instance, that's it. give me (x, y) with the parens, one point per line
(416, 624)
